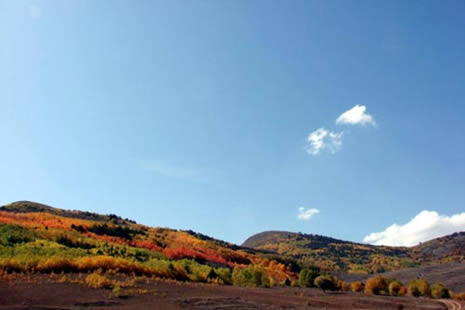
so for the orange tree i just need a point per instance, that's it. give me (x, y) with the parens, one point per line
(357, 286)
(376, 285)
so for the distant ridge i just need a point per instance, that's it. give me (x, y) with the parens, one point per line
(262, 238)
(339, 255)
(30, 207)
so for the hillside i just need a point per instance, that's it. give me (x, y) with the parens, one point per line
(42, 238)
(452, 275)
(444, 249)
(332, 254)
(338, 255)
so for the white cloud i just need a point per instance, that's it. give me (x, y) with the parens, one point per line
(322, 139)
(306, 215)
(425, 226)
(34, 11)
(356, 116)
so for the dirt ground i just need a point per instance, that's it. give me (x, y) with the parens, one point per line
(21, 295)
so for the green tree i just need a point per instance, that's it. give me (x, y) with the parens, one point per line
(325, 283)
(225, 275)
(11, 234)
(250, 277)
(307, 277)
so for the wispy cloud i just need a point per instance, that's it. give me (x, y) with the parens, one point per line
(356, 116)
(306, 215)
(425, 226)
(34, 11)
(323, 139)
(172, 171)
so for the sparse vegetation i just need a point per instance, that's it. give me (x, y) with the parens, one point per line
(97, 280)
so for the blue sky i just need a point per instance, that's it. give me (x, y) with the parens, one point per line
(197, 114)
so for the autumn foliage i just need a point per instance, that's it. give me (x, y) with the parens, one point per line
(419, 287)
(58, 243)
(439, 291)
(357, 286)
(49, 243)
(395, 288)
(376, 285)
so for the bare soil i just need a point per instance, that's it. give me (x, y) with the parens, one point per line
(43, 295)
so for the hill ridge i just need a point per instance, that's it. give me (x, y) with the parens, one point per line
(250, 240)
(25, 206)
(334, 254)
(329, 254)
